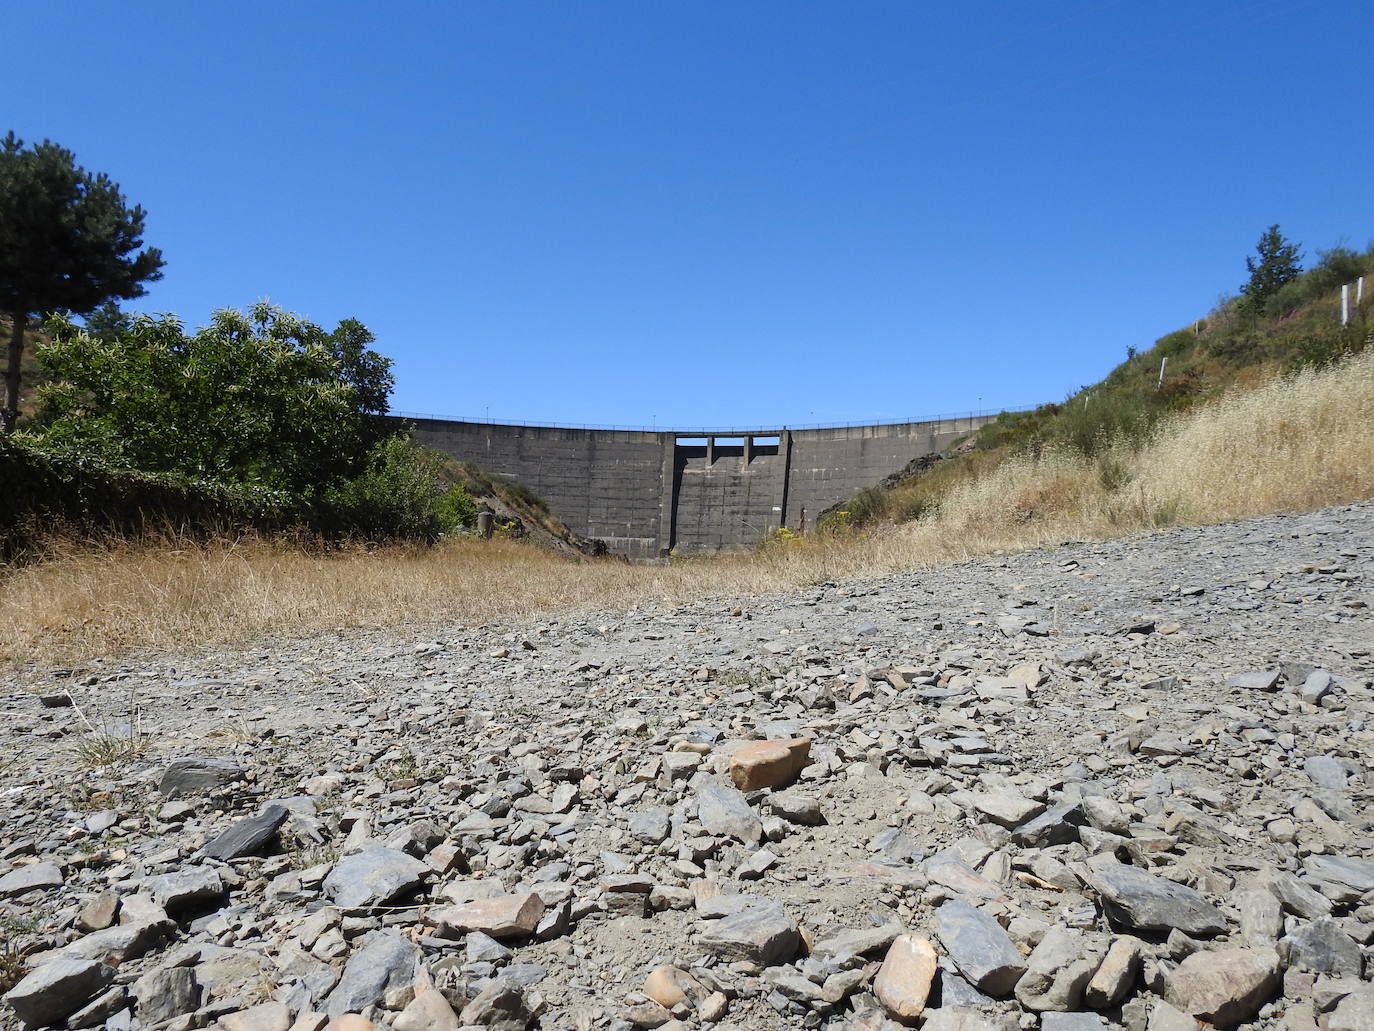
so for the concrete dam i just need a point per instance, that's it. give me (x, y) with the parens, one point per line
(650, 492)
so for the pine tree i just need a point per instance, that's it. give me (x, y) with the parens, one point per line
(1279, 262)
(67, 244)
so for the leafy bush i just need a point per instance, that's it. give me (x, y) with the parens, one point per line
(1091, 424)
(1175, 344)
(1316, 350)
(1289, 298)
(524, 494)
(456, 508)
(1238, 348)
(399, 493)
(1335, 267)
(869, 505)
(262, 397)
(62, 488)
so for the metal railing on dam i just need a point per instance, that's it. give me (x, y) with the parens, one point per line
(986, 414)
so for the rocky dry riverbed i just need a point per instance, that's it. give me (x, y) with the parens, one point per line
(1104, 785)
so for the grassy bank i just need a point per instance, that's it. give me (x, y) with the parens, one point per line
(1295, 442)
(1236, 347)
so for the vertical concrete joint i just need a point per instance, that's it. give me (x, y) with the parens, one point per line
(667, 495)
(785, 449)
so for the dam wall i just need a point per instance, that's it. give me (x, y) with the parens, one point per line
(650, 492)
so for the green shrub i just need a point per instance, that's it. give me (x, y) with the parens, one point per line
(398, 494)
(1336, 267)
(868, 506)
(1176, 344)
(524, 494)
(916, 504)
(456, 508)
(262, 397)
(51, 489)
(1317, 349)
(1238, 348)
(1290, 297)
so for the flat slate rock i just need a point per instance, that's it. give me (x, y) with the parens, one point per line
(1056, 826)
(1266, 680)
(1326, 771)
(385, 960)
(188, 776)
(979, 947)
(762, 934)
(859, 942)
(1354, 1013)
(724, 811)
(57, 989)
(1346, 871)
(651, 826)
(184, 889)
(35, 877)
(247, 837)
(1141, 901)
(1321, 946)
(374, 877)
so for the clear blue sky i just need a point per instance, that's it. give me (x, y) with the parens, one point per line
(714, 213)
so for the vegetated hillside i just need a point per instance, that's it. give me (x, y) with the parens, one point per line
(1235, 347)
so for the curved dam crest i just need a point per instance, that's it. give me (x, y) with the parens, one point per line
(650, 492)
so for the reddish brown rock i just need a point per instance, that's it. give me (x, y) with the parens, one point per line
(669, 987)
(904, 979)
(769, 764)
(506, 916)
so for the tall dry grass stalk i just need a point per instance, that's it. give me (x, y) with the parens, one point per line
(1291, 444)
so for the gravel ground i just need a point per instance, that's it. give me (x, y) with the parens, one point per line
(1123, 784)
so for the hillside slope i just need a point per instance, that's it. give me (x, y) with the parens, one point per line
(1231, 349)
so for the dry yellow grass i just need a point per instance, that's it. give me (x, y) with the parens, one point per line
(1290, 444)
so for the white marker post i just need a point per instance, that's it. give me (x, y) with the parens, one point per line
(1345, 303)
(1359, 290)
(1162, 362)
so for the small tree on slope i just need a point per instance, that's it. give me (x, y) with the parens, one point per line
(68, 242)
(1279, 262)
